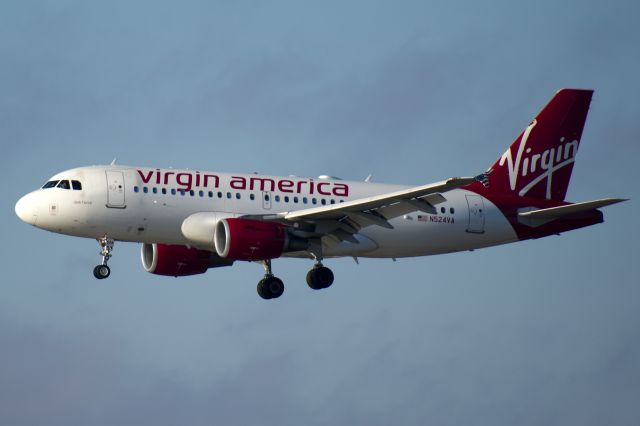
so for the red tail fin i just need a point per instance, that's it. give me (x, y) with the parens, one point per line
(539, 162)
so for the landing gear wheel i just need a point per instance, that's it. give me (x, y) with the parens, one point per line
(262, 291)
(270, 287)
(101, 272)
(274, 286)
(319, 277)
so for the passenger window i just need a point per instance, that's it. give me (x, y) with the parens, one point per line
(314, 201)
(266, 197)
(145, 189)
(164, 191)
(64, 184)
(442, 210)
(277, 198)
(201, 193)
(210, 194)
(77, 186)
(451, 210)
(228, 195)
(136, 189)
(173, 191)
(324, 202)
(155, 190)
(332, 201)
(304, 200)
(252, 197)
(237, 195)
(295, 199)
(191, 193)
(219, 194)
(50, 184)
(286, 198)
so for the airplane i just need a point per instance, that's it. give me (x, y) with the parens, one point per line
(190, 221)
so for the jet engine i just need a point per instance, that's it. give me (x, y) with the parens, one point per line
(177, 261)
(245, 239)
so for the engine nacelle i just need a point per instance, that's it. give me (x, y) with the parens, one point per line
(178, 261)
(244, 239)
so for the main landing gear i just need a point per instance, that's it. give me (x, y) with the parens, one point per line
(102, 271)
(271, 287)
(319, 276)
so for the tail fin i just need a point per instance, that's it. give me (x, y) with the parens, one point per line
(539, 162)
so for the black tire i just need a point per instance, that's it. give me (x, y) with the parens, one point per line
(311, 280)
(325, 276)
(262, 291)
(101, 272)
(273, 286)
(320, 277)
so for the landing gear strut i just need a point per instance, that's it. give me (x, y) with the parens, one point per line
(270, 287)
(319, 276)
(102, 271)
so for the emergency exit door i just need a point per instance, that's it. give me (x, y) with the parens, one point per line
(266, 200)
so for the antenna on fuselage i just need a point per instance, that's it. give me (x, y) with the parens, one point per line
(113, 163)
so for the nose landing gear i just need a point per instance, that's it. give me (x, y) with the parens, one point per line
(102, 271)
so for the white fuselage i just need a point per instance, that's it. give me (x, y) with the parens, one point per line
(150, 205)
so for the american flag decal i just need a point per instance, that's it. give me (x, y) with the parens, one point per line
(483, 178)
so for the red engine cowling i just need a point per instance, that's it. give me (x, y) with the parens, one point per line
(177, 261)
(243, 239)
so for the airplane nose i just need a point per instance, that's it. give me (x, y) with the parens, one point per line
(26, 209)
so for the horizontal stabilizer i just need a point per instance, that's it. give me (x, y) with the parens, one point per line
(542, 216)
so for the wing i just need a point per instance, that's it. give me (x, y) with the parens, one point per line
(341, 221)
(417, 198)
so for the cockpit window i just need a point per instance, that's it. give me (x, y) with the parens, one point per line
(77, 186)
(50, 184)
(64, 184)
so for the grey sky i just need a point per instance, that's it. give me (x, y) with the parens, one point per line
(541, 332)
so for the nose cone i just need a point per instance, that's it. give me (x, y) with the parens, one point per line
(26, 209)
